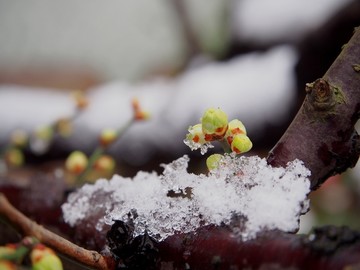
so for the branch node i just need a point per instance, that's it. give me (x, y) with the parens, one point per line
(322, 97)
(356, 67)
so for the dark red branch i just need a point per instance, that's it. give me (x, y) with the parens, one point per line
(322, 134)
(216, 248)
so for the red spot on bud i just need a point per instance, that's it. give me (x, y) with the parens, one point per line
(11, 245)
(219, 129)
(78, 169)
(230, 140)
(40, 247)
(139, 114)
(237, 151)
(237, 131)
(208, 137)
(196, 138)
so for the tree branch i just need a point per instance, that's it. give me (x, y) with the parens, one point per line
(216, 248)
(31, 228)
(322, 134)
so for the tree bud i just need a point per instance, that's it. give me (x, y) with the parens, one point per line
(241, 144)
(212, 162)
(76, 162)
(44, 258)
(105, 164)
(14, 157)
(108, 136)
(214, 124)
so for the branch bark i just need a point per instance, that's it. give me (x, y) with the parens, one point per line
(216, 248)
(322, 134)
(31, 228)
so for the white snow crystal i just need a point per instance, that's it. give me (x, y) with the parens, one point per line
(244, 192)
(195, 146)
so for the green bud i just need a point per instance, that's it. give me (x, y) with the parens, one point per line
(7, 251)
(40, 139)
(14, 157)
(235, 127)
(44, 258)
(80, 99)
(76, 162)
(7, 265)
(195, 139)
(105, 164)
(241, 144)
(64, 127)
(212, 162)
(214, 124)
(108, 136)
(19, 138)
(44, 133)
(196, 134)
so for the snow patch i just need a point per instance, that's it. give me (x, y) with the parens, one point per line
(244, 192)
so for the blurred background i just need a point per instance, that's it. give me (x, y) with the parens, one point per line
(251, 58)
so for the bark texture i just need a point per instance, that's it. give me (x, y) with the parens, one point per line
(322, 134)
(216, 248)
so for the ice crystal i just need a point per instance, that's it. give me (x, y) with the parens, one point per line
(244, 193)
(202, 146)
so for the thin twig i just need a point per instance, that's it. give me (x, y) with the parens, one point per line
(31, 228)
(194, 46)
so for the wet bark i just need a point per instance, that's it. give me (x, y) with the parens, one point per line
(216, 248)
(322, 134)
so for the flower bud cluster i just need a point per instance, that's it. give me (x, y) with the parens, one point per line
(13, 256)
(215, 126)
(98, 164)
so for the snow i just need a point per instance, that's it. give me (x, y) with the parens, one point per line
(265, 21)
(257, 88)
(28, 108)
(244, 192)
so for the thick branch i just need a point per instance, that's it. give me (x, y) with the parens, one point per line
(322, 134)
(217, 248)
(30, 228)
